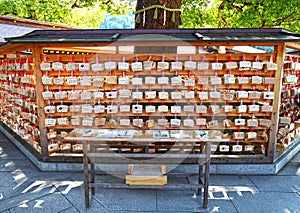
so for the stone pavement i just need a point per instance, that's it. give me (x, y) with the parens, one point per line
(24, 188)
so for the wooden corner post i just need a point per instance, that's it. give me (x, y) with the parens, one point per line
(279, 52)
(37, 59)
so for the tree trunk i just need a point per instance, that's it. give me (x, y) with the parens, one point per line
(166, 20)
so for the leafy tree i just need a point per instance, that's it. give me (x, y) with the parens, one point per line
(242, 13)
(195, 13)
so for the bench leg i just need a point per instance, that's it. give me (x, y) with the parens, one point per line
(206, 184)
(93, 176)
(200, 174)
(86, 177)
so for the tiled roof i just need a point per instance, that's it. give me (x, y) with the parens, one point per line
(7, 31)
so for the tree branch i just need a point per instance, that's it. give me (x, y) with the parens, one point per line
(221, 18)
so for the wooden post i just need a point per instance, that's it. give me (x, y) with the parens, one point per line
(86, 175)
(207, 170)
(280, 52)
(37, 59)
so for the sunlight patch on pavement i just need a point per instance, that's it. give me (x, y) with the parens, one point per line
(215, 191)
(52, 186)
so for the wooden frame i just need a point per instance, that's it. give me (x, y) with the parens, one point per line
(38, 54)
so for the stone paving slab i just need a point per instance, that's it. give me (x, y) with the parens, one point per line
(226, 180)
(266, 202)
(189, 201)
(124, 199)
(11, 165)
(48, 203)
(276, 183)
(18, 198)
(76, 197)
(69, 210)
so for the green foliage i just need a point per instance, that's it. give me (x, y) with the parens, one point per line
(196, 13)
(242, 14)
(43, 10)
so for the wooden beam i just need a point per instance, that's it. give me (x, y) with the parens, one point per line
(37, 59)
(293, 45)
(280, 53)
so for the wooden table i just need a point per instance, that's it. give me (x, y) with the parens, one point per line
(92, 155)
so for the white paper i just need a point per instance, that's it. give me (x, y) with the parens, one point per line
(70, 66)
(62, 108)
(176, 66)
(72, 81)
(175, 122)
(242, 94)
(162, 65)
(252, 122)
(137, 66)
(50, 122)
(215, 95)
(111, 95)
(112, 109)
(150, 95)
(215, 80)
(203, 95)
(57, 66)
(123, 80)
(124, 122)
(85, 81)
(268, 95)
(245, 64)
(231, 65)
(257, 65)
(99, 108)
(45, 66)
(124, 93)
(86, 109)
(175, 109)
(137, 81)
(203, 65)
(189, 94)
(163, 80)
(189, 82)
(229, 79)
(98, 95)
(176, 81)
(257, 80)
(110, 65)
(150, 80)
(216, 66)
(124, 108)
(84, 66)
(59, 80)
(200, 121)
(163, 95)
(137, 109)
(123, 66)
(97, 67)
(189, 109)
(239, 122)
(190, 65)
(163, 108)
(243, 80)
(176, 95)
(202, 80)
(137, 95)
(188, 123)
(150, 109)
(201, 109)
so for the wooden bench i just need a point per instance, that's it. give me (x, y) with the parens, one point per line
(93, 153)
